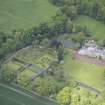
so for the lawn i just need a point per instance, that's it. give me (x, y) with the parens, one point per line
(11, 96)
(16, 14)
(89, 74)
(96, 28)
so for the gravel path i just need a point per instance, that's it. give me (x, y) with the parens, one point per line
(83, 85)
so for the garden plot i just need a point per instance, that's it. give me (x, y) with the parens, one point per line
(11, 66)
(24, 77)
(9, 69)
(27, 64)
(16, 63)
(44, 60)
(29, 54)
(38, 57)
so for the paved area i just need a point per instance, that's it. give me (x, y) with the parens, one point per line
(89, 60)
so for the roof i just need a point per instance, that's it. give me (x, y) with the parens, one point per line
(68, 43)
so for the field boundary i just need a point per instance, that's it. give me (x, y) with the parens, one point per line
(29, 93)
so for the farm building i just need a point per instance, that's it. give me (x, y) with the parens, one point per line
(91, 49)
(67, 43)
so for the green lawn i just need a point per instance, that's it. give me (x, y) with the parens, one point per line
(16, 14)
(89, 74)
(11, 96)
(96, 28)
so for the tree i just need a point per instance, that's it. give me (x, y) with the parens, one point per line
(79, 38)
(95, 9)
(69, 27)
(85, 31)
(7, 72)
(44, 29)
(46, 42)
(103, 43)
(35, 43)
(2, 37)
(27, 38)
(60, 53)
(45, 86)
(72, 2)
(59, 27)
(75, 99)
(2, 52)
(64, 96)
(71, 12)
(39, 38)
(60, 22)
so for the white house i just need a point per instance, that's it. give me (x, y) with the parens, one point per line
(90, 48)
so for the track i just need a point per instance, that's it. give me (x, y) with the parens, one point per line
(82, 85)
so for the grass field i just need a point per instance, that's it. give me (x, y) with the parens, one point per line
(89, 74)
(96, 28)
(16, 14)
(11, 96)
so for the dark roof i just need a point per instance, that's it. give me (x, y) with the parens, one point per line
(56, 43)
(68, 43)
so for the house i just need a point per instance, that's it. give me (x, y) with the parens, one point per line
(91, 49)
